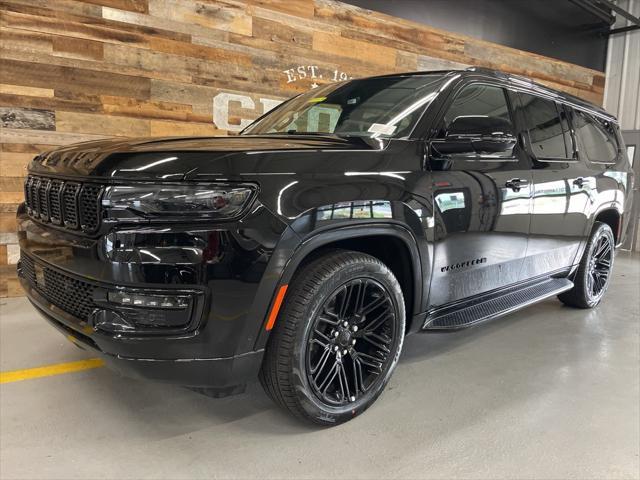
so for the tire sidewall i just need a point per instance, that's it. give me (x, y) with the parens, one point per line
(307, 399)
(601, 230)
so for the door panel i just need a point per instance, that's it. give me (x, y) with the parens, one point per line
(561, 188)
(481, 206)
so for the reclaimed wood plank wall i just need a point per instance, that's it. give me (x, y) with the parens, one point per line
(79, 70)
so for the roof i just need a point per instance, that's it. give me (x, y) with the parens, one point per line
(520, 82)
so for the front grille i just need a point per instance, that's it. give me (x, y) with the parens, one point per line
(55, 212)
(74, 205)
(67, 293)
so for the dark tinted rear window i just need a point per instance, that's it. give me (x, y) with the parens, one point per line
(548, 128)
(596, 138)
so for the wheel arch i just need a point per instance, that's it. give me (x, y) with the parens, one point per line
(371, 239)
(612, 217)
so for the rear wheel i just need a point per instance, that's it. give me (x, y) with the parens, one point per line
(337, 339)
(594, 272)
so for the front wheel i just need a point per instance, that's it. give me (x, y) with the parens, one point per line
(594, 272)
(337, 339)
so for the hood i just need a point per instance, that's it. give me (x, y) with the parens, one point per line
(197, 157)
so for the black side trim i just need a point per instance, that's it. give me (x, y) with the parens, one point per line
(492, 306)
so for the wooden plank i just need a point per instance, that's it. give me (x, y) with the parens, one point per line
(10, 185)
(13, 253)
(9, 207)
(7, 223)
(40, 75)
(23, 40)
(189, 29)
(311, 23)
(75, 29)
(346, 47)
(102, 66)
(25, 91)
(9, 238)
(29, 17)
(221, 15)
(14, 164)
(9, 283)
(202, 52)
(13, 135)
(140, 6)
(62, 101)
(129, 107)
(73, 122)
(11, 198)
(299, 8)
(30, 148)
(148, 62)
(282, 33)
(430, 63)
(78, 48)
(407, 61)
(28, 118)
(73, 7)
(161, 128)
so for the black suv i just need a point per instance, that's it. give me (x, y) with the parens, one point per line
(305, 249)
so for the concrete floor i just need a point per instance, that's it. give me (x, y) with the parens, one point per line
(549, 392)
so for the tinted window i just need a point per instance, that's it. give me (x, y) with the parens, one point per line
(597, 139)
(566, 130)
(370, 107)
(548, 128)
(478, 109)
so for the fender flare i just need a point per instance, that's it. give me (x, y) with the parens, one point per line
(288, 266)
(614, 206)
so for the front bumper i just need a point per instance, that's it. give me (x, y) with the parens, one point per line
(225, 264)
(224, 374)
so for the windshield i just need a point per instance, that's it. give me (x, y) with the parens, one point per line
(372, 107)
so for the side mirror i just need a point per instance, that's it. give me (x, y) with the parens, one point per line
(476, 138)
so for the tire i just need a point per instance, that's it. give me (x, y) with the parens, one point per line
(594, 271)
(311, 327)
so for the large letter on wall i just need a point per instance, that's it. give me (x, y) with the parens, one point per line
(269, 104)
(221, 110)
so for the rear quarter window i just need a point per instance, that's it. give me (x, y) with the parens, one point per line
(596, 138)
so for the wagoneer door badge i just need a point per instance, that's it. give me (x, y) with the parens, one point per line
(468, 263)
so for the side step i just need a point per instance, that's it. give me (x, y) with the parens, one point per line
(500, 303)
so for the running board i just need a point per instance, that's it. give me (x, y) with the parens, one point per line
(470, 313)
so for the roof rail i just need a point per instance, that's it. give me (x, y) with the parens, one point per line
(498, 73)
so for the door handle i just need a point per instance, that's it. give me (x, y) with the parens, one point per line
(579, 182)
(516, 184)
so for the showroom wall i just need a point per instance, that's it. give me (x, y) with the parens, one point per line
(622, 95)
(73, 71)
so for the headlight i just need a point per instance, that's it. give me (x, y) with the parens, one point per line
(179, 200)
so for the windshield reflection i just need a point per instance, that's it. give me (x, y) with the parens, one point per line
(382, 107)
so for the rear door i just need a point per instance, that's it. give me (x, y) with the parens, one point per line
(562, 187)
(481, 205)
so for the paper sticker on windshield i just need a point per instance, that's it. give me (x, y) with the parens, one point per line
(317, 100)
(382, 129)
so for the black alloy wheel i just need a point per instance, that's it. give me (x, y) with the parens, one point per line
(349, 343)
(337, 338)
(593, 275)
(600, 266)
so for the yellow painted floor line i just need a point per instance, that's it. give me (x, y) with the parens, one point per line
(49, 370)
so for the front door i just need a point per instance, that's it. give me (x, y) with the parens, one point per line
(481, 203)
